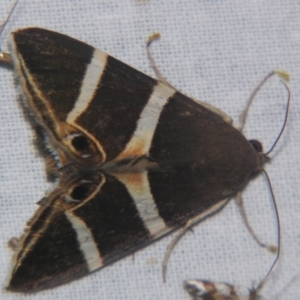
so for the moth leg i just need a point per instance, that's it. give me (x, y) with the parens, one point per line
(156, 36)
(239, 202)
(5, 58)
(187, 226)
(171, 246)
(160, 77)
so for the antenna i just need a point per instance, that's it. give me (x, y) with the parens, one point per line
(285, 119)
(282, 74)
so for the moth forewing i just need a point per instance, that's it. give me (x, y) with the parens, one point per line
(145, 158)
(70, 122)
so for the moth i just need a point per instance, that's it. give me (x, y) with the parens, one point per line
(208, 290)
(134, 158)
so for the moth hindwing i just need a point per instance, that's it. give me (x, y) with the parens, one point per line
(137, 158)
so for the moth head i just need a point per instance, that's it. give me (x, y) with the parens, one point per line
(81, 148)
(262, 157)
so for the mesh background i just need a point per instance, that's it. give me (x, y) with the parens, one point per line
(216, 51)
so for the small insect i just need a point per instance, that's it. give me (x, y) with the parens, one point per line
(208, 290)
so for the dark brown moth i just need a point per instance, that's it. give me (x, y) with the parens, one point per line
(136, 158)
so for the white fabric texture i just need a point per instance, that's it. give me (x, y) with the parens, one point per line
(214, 51)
